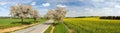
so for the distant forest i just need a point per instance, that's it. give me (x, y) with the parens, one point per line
(101, 17)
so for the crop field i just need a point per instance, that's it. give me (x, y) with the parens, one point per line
(11, 22)
(92, 25)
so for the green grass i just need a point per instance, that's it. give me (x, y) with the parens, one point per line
(50, 27)
(48, 30)
(10, 22)
(93, 25)
(60, 28)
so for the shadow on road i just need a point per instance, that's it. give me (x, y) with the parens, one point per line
(50, 23)
(47, 23)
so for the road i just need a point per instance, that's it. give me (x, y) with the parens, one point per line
(40, 28)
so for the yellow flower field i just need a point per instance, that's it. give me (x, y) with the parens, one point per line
(92, 25)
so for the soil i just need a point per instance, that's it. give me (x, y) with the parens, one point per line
(71, 31)
(52, 30)
(14, 28)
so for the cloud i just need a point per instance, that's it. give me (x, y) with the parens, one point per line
(46, 4)
(75, 11)
(60, 5)
(101, 12)
(75, 7)
(3, 3)
(117, 6)
(33, 3)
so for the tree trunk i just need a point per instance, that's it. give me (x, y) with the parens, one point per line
(35, 19)
(60, 20)
(21, 19)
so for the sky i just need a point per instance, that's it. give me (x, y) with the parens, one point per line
(74, 8)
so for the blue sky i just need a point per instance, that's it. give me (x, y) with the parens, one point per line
(75, 7)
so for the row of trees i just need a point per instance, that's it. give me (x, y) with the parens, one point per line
(57, 14)
(110, 17)
(23, 11)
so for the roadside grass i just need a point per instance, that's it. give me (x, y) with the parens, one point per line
(6, 32)
(93, 25)
(49, 29)
(12, 22)
(60, 28)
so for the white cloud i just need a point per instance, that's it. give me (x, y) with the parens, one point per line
(3, 3)
(102, 12)
(33, 3)
(46, 4)
(117, 6)
(87, 11)
(99, 8)
(60, 5)
(74, 11)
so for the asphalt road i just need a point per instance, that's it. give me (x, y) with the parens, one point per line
(40, 28)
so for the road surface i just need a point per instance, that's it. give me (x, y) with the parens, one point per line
(40, 28)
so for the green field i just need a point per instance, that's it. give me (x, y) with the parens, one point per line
(12, 22)
(92, 25)
(49, 29)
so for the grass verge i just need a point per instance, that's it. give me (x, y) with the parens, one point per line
(7, 23)
(60, 28)
(49, 29)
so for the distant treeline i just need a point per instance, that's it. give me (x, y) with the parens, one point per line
(110, 17)
(101, 17)
(4, 17)
(14, 17)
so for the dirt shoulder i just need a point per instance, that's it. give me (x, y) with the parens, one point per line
(15, 28)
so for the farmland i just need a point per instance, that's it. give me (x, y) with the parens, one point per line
(12, 22)
(92, 25)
